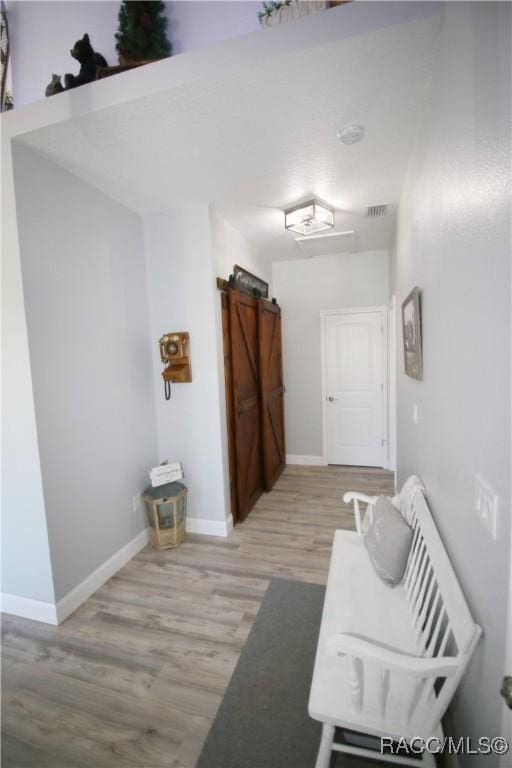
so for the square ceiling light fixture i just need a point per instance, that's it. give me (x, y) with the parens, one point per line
(309, 218)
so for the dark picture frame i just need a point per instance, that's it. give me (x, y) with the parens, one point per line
(248, 282)
(411, 327)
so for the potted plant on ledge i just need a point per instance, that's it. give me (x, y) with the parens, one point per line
(141, 37)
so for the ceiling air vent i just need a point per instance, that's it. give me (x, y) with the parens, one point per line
(376, 210)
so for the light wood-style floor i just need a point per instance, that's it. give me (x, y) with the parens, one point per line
(134, 677)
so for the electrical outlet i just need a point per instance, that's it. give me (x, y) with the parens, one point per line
(137, 502)
(486, 506)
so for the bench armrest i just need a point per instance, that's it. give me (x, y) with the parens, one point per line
(346, 644)
(352, 495)
(356, 497)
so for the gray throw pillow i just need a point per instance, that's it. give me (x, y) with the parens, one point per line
(388, 542)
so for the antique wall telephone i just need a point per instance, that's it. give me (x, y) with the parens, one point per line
(174, 352)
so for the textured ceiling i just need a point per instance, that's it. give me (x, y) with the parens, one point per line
(260, 139)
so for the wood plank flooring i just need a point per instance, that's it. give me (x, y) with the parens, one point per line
(135, 676)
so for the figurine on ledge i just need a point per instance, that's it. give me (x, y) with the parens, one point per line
(89, 61)
(55, 86)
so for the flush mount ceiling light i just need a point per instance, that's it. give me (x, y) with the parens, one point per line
(351, 134)
(309, 218)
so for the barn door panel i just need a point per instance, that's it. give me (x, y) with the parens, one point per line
(272, 392)
(246, 399)
(230, 415)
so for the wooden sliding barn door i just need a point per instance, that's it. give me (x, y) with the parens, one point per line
(243, 319)
(253, 371)
(272, 392)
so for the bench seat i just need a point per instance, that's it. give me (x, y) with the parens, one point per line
(389, 659)
(357, 601)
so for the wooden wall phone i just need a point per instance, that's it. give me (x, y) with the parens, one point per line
(175, 353)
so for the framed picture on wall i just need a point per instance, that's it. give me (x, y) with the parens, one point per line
(411, 324)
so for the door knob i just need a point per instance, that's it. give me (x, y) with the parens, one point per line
(506, 691)
(332, 399)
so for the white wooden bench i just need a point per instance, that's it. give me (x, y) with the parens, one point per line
(389, 659)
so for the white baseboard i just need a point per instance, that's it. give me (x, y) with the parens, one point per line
(311, 461)
(70, 602)
(210, 527)
(51, 613)
(37, 610)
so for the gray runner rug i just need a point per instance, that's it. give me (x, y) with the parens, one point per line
(263, 719)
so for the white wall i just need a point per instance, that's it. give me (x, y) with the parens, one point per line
(304, 288)
(203, 22)
(43, 32)
(182, 295)
(230, 247)
(454, 244)
(26, 566)
(84, 280)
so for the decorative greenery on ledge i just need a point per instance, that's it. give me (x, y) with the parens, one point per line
(270, 7)
(273, 13)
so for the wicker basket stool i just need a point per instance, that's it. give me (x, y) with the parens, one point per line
(166, 508)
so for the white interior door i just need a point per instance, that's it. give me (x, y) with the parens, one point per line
(354, 385)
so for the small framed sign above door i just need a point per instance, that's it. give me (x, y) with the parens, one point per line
(248, 282)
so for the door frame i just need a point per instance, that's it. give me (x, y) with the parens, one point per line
(506, 721)
(324, 314)
(392, 384)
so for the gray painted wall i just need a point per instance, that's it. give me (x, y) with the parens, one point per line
(303, 288)
(181, 290)
(454, 243)
(85, 295)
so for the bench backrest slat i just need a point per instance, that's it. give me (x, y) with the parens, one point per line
(431, 554)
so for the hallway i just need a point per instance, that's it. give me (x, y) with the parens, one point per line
(135, 675)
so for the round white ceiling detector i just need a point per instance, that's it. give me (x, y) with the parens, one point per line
(351, 134)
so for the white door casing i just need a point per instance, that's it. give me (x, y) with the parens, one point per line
(354, 344)
(391, 400)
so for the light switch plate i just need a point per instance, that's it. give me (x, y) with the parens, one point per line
(415, 413)
(486, 505)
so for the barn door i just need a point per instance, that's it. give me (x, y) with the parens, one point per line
(230, 413)
(246, 399)
(272, 392)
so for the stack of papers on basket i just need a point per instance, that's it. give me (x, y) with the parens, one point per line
(166, 473)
